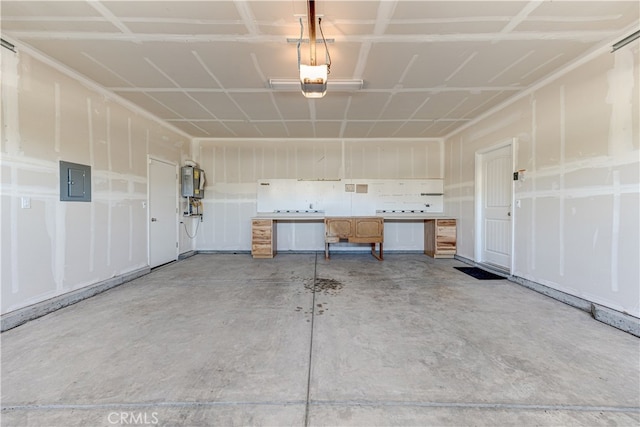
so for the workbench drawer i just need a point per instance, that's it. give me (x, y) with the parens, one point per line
(262, 250)
(261, 234)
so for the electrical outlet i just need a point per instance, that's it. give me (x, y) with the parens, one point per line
(26, 202)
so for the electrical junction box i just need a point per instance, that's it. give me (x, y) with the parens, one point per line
(75, 182)
(192, 182)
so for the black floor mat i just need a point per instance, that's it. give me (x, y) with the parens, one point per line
(479, 273)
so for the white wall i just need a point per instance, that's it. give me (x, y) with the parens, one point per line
(233, 168)
(577, 229)
(56, 247)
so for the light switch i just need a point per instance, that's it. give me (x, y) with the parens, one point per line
(26, 202)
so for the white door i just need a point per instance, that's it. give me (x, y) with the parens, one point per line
(163, 213)
(495, 207)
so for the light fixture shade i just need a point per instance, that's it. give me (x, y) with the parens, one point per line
(313, 80)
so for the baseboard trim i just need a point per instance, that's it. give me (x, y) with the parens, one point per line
(18, 317)
(617, 319)
(186, 255)
(623, 321)
(213, 251)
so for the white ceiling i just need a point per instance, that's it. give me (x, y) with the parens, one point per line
(428, 67)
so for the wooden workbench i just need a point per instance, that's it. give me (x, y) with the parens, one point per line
(439, 231)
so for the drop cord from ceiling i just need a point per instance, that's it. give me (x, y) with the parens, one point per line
(299, 42)
(326, 49)
(324, 40)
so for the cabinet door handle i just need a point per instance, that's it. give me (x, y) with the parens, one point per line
(154, 219)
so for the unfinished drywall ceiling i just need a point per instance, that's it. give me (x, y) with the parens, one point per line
(428, 67)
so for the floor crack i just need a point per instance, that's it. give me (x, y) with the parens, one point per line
(313, 310)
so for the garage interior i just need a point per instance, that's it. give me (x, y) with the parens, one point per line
(126, 302)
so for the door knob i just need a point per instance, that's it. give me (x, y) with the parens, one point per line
(508, 213)
(154, 219)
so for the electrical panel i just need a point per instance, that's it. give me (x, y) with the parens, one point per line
(75, 182)
(192, 182)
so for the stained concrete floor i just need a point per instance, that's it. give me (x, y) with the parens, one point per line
(224, 339)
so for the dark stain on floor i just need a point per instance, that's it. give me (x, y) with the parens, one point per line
(321, 286)
(325, 286)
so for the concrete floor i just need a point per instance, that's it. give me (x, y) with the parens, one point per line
(297, 340)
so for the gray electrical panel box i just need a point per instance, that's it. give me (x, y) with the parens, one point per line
(75, 182)
(192, 182)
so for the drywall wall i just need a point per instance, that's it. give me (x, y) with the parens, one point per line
(577, 138)
(234, 167)
(50, 247)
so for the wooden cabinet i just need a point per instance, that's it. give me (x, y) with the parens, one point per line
(368, 230)
(263, 238)
(354, 230)
(440, 238)
(337, 229)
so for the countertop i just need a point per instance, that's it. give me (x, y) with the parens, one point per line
(292, 215)
(320, 215)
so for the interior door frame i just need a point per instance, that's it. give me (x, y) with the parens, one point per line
(479, 198)
(151, 158)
